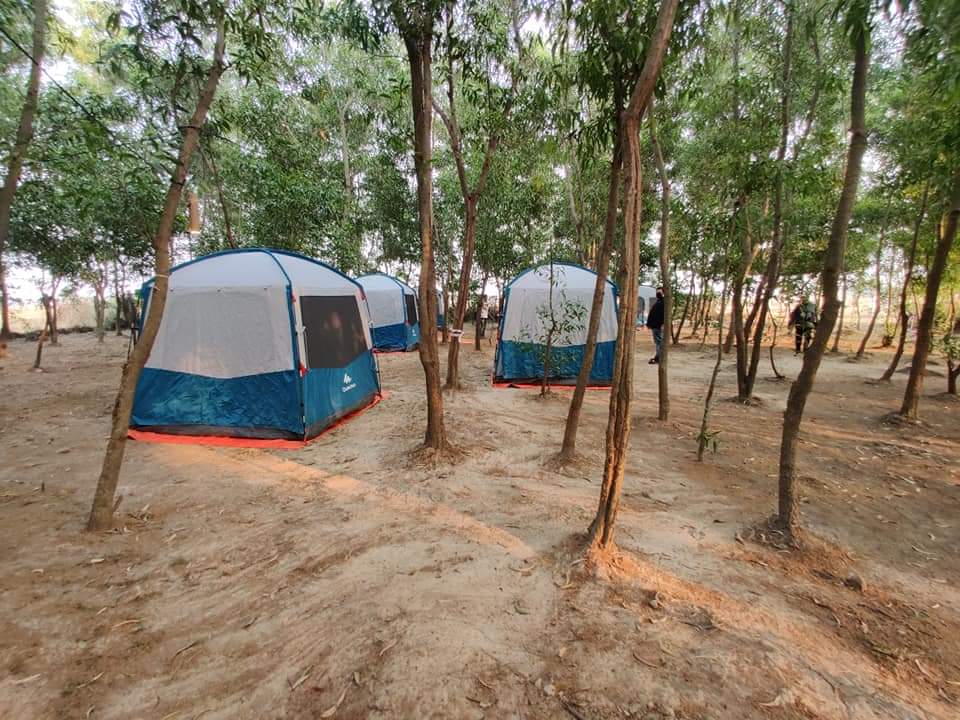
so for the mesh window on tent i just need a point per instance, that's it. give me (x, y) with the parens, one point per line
(411, 303)
(334, 331)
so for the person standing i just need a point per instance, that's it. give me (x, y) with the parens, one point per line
(484, 314)
(803, 319)
(655, 323)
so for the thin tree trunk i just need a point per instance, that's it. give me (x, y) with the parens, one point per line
(569, 448)
(878, 296)
(19, 151)
(911, 397)
(772, 271)
(224, 209)
(662, 377)
(40, 339)
(773, 346)
(691, 298)
(704, 437)
(748, 253)
(618, 425)
(419, 41)
(757, 299)
(481, 301)
(907, 278)
(101, 513)
(843, 305)
(833, 260)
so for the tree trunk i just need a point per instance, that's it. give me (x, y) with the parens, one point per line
(19, 151)
(224, 209)
(101, 513)
(877, 297)
(481, 301)
(886, 317)
(921, 351)
(757, 299)
(100, 305)
(569, 447)
(704, 437)
(772, 272)
(663, 391)
(39, 355)
(748, 253)
(833, 260)
(419, 43)
(691, 298)
(843, 305)
(618, 425)
(463, 293)
(907, 278)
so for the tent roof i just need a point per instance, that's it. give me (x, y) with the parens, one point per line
(256, 267)
(570, 275)
(382, 281)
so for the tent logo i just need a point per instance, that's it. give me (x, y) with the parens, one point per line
(348, 383)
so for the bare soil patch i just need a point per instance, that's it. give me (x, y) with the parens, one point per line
(346, 580)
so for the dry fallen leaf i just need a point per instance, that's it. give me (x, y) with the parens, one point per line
(332, 711)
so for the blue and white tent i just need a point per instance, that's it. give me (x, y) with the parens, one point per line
(393, 312)
(256, 343)
(520, 348)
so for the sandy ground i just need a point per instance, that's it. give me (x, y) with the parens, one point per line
(343, 581)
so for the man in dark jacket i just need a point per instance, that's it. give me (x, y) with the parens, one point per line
(655, 323)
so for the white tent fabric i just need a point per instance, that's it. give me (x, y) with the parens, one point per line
(228, 315)
(647, 296)
(571, 284)
(385, 299)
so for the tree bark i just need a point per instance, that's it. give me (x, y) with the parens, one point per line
(703, 440)
(224, 209)
(481, 301)
(663, 390)
(907, 278)
(569, 447)
(101, 513)
(878, 295)
(19, 151)
(772, 271)
(921, 351)
(618, 424)
(471, 200)
(787, 513)
(418, 39)
(691, 298)
(843, 305)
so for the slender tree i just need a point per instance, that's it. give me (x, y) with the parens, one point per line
(907, 278)
(101, 513)
(416, 24)
(946, 234)
(618, 425)
(663, 390)
(787, 520)
(19, 150)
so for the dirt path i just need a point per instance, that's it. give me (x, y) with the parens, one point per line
(340, 581)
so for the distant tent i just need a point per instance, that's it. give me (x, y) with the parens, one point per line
(256, 343)
(520, 347)
(393, 312)
(646, 297)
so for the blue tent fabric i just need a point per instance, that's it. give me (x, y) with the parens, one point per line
(166, 399)
(331, 393)
(524, 361)
(294, 403)
(400, 337)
